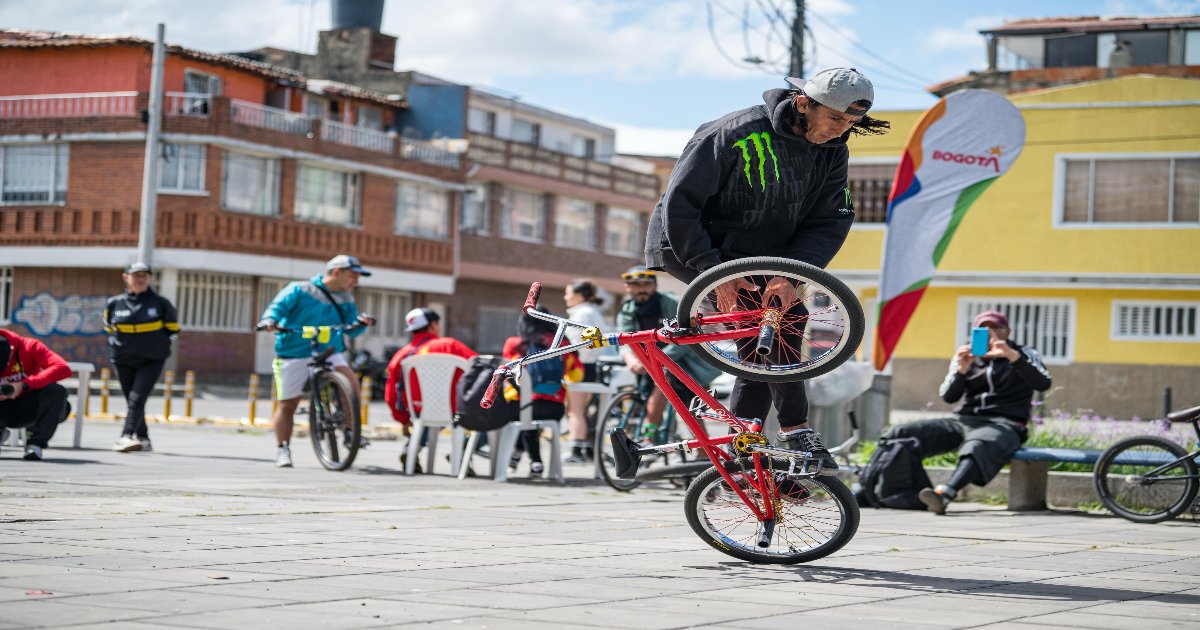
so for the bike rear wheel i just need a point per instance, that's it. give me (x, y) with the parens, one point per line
(1130, 484)
(627, 411)
(815, 516)
(815, 335)
(333, 418)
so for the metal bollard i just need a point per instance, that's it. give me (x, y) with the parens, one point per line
(189, 392)
(168, 384)
(253, 397)
(365, 388)
(104, 375)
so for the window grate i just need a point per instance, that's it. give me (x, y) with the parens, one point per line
(1047, 325)
(6, 284)
(494, 326)
(1155, 321)
(388, 308)
(215, 302)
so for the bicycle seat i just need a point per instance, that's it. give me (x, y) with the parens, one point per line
(1186, 415)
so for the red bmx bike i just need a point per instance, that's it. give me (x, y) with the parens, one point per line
(766, 319)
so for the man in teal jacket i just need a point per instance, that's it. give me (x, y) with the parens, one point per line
(325, 300)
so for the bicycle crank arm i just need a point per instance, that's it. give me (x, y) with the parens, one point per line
(663, 448)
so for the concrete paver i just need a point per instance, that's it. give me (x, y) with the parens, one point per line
(206, 533)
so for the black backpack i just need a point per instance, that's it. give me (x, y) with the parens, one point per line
(472, 385)
(894, 475)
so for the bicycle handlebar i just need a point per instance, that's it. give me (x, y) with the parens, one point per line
(489, 397)
(333, 327)
(535, 291)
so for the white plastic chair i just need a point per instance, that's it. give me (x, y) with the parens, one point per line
(435, 375)
(508, 437)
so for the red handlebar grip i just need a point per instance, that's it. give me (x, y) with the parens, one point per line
(489, 396)
(535, 291)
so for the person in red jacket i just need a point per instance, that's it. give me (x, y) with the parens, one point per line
(425, 325)
(30, 396)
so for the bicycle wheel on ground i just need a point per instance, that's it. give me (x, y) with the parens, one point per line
(333, 422)
(817, 332)
(1139, 479)
(627, 411)
(815, 516)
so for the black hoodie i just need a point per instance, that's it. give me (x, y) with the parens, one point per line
(745, 186)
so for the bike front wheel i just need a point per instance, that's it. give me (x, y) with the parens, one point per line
(814, 516)
(818, 330)
(333, 422)
(1140, 479)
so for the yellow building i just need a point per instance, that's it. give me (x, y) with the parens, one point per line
(1090, 243)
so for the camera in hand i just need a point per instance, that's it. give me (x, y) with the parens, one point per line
(7, 389)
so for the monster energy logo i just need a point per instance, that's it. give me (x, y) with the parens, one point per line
(761, 141)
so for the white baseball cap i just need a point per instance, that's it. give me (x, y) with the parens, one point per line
(345, 261)
(419, 318)
(843, 89)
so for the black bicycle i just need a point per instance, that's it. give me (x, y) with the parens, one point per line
(333, 405)
(1148, 479)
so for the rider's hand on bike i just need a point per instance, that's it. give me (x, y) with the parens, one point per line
(634, 364)
(366, 319)
(727, 294)
(266, 325)
(783, 290)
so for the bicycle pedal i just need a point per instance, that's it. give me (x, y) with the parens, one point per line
(626, 452)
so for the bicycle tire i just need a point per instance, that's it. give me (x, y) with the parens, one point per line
(334, 396)
(842, 321)
(1124, 490)
(826, 499)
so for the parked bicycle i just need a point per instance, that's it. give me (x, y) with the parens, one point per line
(333, 405)
(761, 503)
(1148, 479)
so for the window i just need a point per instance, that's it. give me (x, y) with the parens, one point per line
(1131, 190)
(33, 173)
(1071, 51)
(422, 211)
(215, 302)
(481, 121)
(1144, 320)
(523, 215)
(313, 106)
(583, 147)
(575, 223)
(6, 282)
(200, 83)
(181, 168)
(623, 235)
(870, 185)
(388, 308)
(327, 196)
(493, 327)
(1047, 325)
(370, 118)
(525, 131)
(476, 209)
(1146, 48)
(250, 184)
(1191, 48)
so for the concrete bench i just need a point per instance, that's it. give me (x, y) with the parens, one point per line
(1029, 472)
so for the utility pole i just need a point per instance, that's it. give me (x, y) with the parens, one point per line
(150, 166)
(797, 67)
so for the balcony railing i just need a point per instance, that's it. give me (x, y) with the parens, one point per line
(429, 153)
(519, 156)
(255, 115)
(69, 105)
(355, 136)
(187, 104)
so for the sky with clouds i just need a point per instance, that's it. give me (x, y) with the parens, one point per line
(653, 69)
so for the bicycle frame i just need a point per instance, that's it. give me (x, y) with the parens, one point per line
(644, 345)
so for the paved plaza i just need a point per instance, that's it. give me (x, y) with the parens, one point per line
(206, 533)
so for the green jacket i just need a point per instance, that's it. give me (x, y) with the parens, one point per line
(627, 319)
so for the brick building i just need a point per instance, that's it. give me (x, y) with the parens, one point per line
(264, 175)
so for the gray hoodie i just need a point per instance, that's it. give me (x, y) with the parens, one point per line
(746, 186)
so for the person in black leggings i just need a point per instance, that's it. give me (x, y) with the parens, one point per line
(141, 326)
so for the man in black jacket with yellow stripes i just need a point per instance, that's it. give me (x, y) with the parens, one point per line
(141, 326)
(769, 180)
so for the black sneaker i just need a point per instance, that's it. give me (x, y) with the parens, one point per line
(810, 441)
(936, 499)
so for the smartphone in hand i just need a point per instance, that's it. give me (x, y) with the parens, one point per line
(980, 341)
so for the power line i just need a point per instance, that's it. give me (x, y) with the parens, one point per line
(712, 32)
(837, 31)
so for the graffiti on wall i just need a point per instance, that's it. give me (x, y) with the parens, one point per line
(44, 315)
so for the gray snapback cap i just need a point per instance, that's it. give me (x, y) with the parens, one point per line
(843, 89)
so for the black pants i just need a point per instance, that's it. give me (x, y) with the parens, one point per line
(752, 399)
(990, 441)
(530, 441)
(40, 410)
(137, 383)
